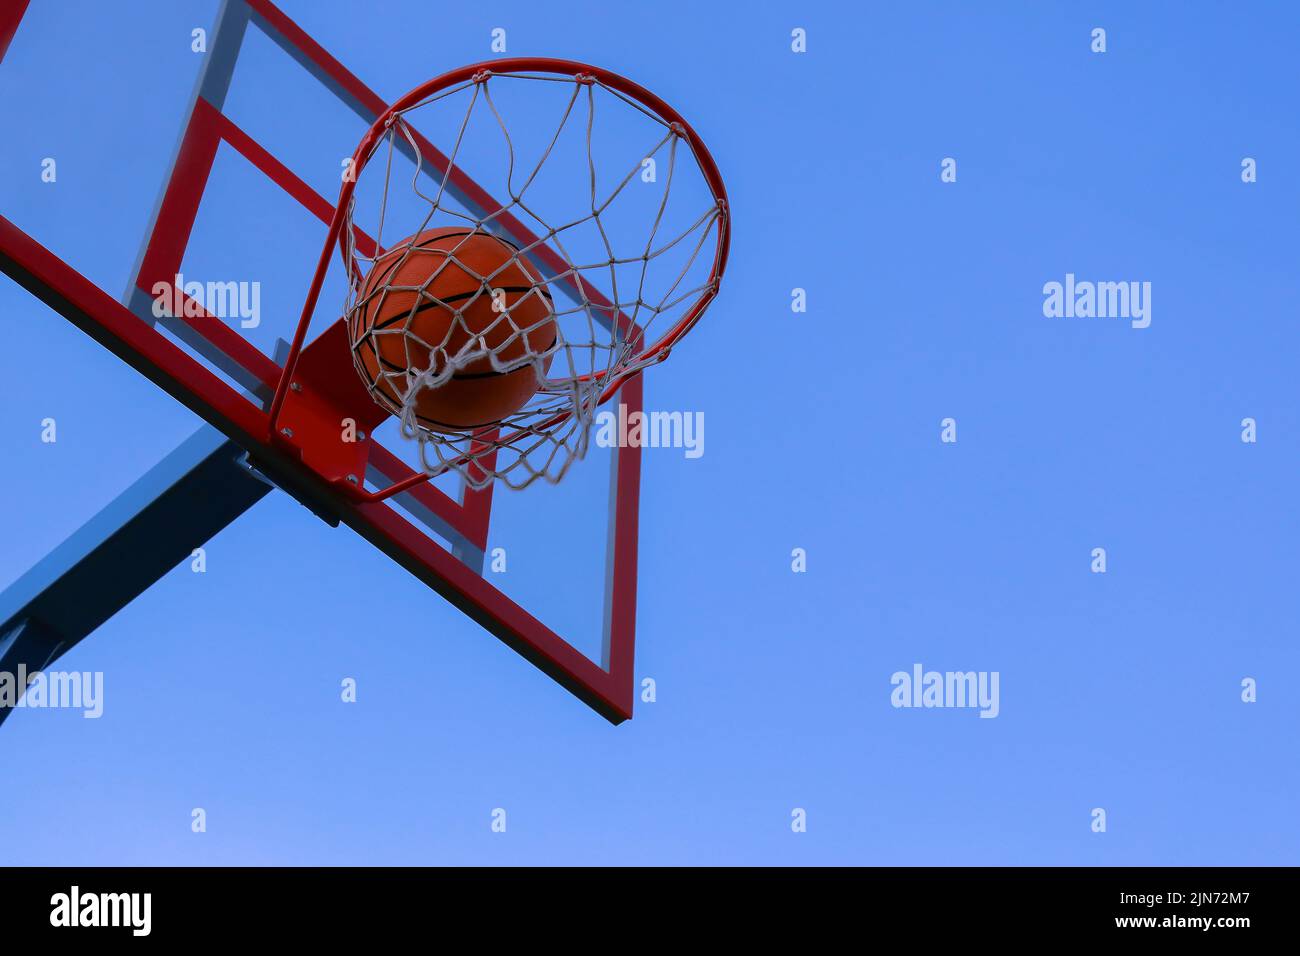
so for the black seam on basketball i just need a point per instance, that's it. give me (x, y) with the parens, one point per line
(391, 367)
(403, 257)
(451, 254)
(467, 376)
(439, 303)
(432, 422)
(394, 367)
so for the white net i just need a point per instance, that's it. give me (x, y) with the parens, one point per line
(588, 240)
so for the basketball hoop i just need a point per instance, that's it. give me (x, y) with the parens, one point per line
(459, 288)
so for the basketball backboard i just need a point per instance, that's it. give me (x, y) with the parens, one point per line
(229, 196)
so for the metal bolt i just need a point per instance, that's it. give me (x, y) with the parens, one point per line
(295, 386)
(286, 432)
(352, 479)
(361, 436)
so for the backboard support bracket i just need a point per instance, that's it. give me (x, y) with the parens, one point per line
(175, 507)
(328, 416)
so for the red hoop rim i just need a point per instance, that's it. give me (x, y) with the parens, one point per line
(655, 352)
(578, 71)
(479, 72)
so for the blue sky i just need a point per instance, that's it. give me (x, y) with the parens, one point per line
(1119, 691)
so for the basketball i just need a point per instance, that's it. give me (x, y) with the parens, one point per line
(432, 295)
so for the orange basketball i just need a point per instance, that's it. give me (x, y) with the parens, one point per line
(426, 299)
